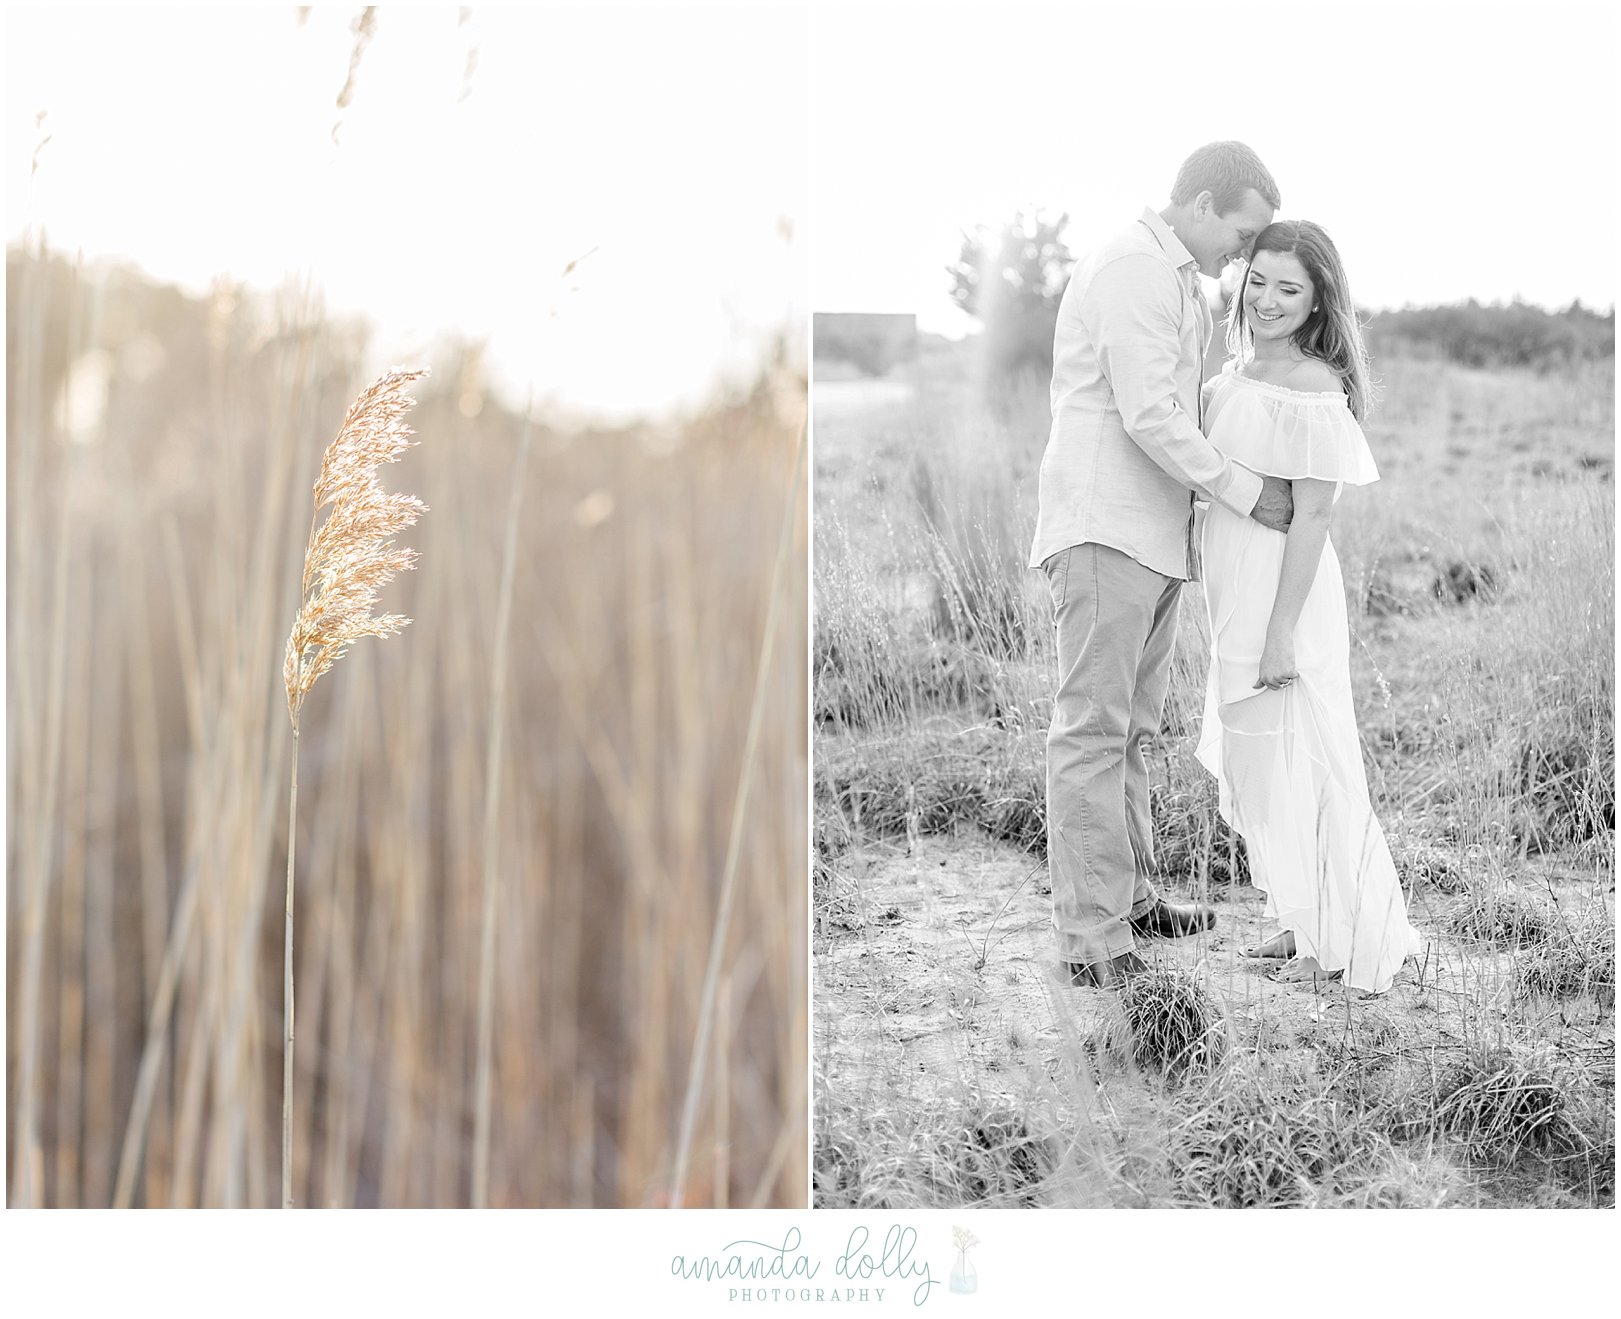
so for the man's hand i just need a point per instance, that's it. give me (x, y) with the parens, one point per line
(1275, 509)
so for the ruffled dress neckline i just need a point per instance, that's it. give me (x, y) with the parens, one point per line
(1283, 391)
(1287, 433)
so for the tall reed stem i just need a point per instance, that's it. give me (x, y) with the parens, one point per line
(734, 845)
(349, 558)
(492, 795)
(287, 995)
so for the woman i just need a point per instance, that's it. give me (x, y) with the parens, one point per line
(1279, 730)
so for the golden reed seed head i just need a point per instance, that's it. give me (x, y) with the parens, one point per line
(351, 555)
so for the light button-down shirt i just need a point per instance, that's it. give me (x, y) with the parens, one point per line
(1125, 457)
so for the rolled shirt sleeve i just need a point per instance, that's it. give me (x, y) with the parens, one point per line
(1133, 313)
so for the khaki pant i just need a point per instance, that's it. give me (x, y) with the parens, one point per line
(1116, 625)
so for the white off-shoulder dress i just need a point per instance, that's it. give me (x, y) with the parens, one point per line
(1289, 762)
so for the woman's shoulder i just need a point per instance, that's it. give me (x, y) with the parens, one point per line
(1311, 375)
(1309, 384)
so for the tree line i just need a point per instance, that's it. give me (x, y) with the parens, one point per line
(1010, 278)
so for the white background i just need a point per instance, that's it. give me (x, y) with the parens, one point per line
(1450, 151)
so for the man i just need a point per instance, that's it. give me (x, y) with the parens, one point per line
(1114, 536)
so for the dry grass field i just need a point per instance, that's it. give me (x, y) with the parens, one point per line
(160, 458)
(952, 1066)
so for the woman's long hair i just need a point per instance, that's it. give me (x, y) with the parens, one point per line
(1331, 333)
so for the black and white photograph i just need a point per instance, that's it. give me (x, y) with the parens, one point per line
(1213, 602)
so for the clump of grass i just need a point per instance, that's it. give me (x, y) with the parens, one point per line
(837, 901)
(999, 1160)
(832, 895)
(957, 677)
(833, 834)
(1575, 962)
(894, 790)
(1513, 1110)
(1418, 864)
(1506, 1105)
(1501, 913)
(868, 673)
(1192, 843)
(1171, 1024)
(975, 536)
(981, 1152)
(855, 1169)
(1259, 1134)
(1565, 779)
(857, 680)
(1559, 743)
(979, 603)
(1380, 596)
(1015, 809)
(1500, 1103)
(1461, 581)
(932, 783)
(1400, 1181)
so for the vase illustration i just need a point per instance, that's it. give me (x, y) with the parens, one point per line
(964, 1277)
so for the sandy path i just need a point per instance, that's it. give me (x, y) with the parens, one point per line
(902, 999)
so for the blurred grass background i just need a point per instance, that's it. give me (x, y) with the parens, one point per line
(161, 450)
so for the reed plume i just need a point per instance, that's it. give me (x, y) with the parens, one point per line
(350, 557)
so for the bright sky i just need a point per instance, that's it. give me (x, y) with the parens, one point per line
(198, 141)
(1450, 151)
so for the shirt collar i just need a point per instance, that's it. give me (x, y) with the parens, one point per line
(1167, 239)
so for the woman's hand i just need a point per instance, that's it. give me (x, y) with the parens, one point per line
(1277, 662)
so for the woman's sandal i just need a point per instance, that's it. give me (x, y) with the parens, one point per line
(1299, 970)
(1280, 945)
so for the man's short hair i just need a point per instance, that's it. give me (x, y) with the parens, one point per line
(1227, 170)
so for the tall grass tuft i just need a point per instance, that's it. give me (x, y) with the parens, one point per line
(1577, 959)
(1172, 1025)
(1500, 1103)
(1262, 1134)
(348, 560)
